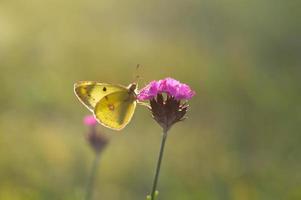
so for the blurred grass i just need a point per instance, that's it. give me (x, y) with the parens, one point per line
(241, 140)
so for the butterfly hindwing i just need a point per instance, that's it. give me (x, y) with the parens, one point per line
(115, 110)
(91, 92)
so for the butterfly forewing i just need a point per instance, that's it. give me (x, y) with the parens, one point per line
(116, 109)
(91, 92)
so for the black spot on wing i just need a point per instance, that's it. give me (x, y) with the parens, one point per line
(104, 89)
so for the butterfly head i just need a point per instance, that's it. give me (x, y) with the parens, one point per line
(133, 88)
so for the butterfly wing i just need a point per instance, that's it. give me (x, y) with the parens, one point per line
(91, 92)
(116, 109)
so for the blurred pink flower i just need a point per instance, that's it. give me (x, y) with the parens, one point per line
(90, 120)
(96, 139)
(172, 87)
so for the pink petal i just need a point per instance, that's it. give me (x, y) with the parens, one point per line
(90, 120)
(184, 92)
(149, 91)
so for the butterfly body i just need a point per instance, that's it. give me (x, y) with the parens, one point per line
(112, 105)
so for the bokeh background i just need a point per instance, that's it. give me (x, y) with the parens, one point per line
(241, 140)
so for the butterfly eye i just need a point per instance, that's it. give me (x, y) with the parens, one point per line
(104, 89)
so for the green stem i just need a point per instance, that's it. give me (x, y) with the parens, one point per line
(91, 178)
(164, 137)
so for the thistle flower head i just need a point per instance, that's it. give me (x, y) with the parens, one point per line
(95, 138)
(170, 109)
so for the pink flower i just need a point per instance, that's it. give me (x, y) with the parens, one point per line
(90, 120)
(170, 86)
(95, 138)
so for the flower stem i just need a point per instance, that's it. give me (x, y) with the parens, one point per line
(91, 178)
(164, 137)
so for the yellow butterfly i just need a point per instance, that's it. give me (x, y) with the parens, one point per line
(112, 105)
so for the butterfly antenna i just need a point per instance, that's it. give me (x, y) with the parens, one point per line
(137, 76)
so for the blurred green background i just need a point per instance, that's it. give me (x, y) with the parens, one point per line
(242, 58)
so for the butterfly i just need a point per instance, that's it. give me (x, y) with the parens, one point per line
(112, 105)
